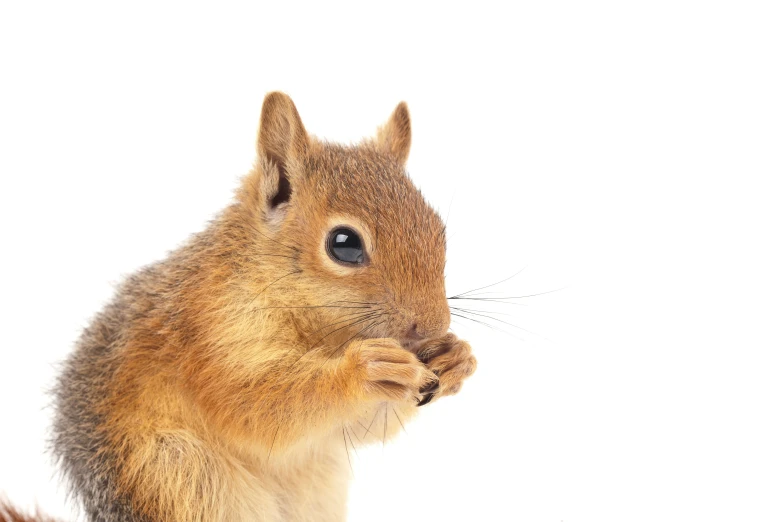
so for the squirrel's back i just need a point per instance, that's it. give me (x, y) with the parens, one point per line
(81, 441)
(138, 326)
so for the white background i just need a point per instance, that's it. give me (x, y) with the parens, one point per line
(628, 152)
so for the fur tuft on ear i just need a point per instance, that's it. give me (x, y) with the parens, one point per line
(282, 140)
(394, 137)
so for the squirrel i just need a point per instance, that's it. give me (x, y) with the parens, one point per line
(227, 382)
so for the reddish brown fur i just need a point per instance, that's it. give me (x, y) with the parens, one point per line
(238, 372)
(10, 514)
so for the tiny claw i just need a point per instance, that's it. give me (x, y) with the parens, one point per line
(430, 388)
(425, 400)
(424, 357)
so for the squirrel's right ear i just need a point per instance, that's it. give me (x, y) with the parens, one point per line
(282, 140)
(394, 136)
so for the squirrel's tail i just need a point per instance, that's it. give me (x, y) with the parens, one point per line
(8, 513)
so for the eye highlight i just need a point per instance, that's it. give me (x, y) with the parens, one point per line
(345, 246)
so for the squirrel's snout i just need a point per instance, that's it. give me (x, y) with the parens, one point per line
(413, 333)
(429, 326)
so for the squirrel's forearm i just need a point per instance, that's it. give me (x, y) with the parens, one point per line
(330, 390)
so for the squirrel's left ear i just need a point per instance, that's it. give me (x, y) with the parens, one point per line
(394, 137)
(283, 141)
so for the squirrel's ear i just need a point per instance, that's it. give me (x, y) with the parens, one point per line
(282, 139)
(281, 135)
(394, 136)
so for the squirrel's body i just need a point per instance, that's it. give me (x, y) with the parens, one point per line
(228, 382)
(122, 417)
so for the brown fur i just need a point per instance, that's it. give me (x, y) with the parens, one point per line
(243, 364)
(10, 514)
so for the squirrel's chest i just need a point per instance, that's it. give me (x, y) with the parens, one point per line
(315, 491)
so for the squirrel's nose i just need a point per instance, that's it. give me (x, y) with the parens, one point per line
(420, 330)
(413, 333)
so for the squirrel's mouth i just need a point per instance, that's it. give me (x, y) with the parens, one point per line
(412, 345)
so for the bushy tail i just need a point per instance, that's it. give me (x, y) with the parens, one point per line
(8, 513)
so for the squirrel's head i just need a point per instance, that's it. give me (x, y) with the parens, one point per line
(345, 230)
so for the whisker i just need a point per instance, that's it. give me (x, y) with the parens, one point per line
(457, 322)
(346, 451)
(490, 326)
(273, 444)
(313, 306)
(370, 426)
(471, 298)
(354, 336)
(485, 293)
(347, 317)
(487, 300)
(385, 423)
(350, 428)
(276, 255)
(464, 310)
(488, 286)
(502, 321)
(492, 312)
(359, 302)
(359, 321)
(446, 222)
(365, 317)
(273, 282)
(398, 420)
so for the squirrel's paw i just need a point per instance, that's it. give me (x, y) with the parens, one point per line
(451, 359)
(389, 372)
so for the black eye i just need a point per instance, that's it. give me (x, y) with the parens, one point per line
(345, 245)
